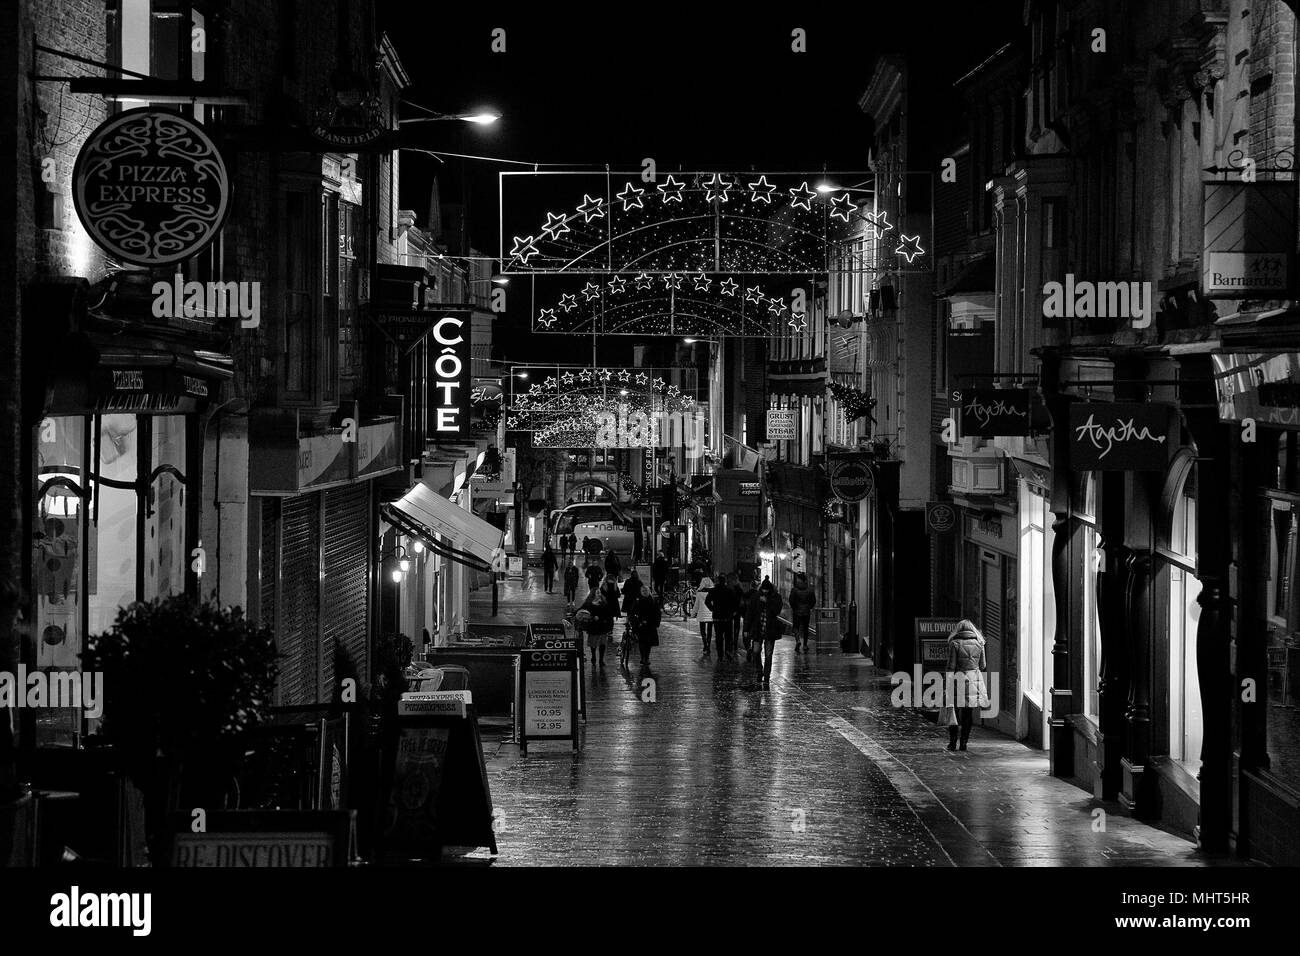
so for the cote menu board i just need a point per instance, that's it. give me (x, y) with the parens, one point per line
(548, 696)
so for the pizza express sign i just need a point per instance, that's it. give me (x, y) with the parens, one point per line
(150, 187)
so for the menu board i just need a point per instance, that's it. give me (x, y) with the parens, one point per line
(548, 692)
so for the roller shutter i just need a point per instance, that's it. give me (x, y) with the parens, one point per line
(299, 599)
(347, 577)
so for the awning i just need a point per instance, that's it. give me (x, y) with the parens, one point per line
(423, 513)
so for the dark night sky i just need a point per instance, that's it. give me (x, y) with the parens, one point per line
(693, 86)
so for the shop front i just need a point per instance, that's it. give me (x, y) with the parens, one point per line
(113, 475)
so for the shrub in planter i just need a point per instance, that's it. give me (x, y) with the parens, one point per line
(182, 678)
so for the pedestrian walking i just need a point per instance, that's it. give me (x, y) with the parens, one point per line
(723, 603)
(964, 681)
(548, 569)
(600, 623)
(632, 589)
(570, 582)
(594, 575)
(610, 590)
(745, 596)
(763, 623)
(645, 625)
(612, 564)
(704, 615)
(659, 572)
(802, 601)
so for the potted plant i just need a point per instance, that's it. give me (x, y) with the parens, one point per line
(182, 679)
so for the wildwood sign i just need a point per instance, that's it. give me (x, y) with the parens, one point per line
(1119, 436)
(150, 187)
(989, 412)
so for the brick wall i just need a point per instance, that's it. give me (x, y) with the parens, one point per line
(1272, 79)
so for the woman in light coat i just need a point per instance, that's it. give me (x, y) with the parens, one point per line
(965, 677)
(703, 615)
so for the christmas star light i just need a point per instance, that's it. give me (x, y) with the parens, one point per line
(631, 197)
(591, 208)
(567, 378)
(642, 379)
(842, 207)
(624, 375)
(534, 390)
(673, 391)
(716, 188)
(643, 282)
(702, 282)
(775, 305)
(591, 291)
(524, 249)
(584, 375)
(556, 225)
(671, 186)
(616, 284)
(568, 303)
(798, 322)
(761, 191)
(659, 384)
(808, 195)
(546, 318)
(729, 286)
(672, 281)
(605, 374)
(909, 247)
(754, 294)
(880, 222)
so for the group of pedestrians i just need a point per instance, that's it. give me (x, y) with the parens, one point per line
(608, 599)
(733, 610)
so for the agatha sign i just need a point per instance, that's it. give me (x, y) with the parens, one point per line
(150, 187)
(1119, 436)
(989, 412)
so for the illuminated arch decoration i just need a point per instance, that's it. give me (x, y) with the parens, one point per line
(699, 304)
(567, 407)
(775, 223)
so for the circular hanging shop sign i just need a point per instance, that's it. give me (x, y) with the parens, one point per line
(853, 481)
(150, 187)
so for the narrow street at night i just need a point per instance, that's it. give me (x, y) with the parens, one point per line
(818, 769)
(445, 444)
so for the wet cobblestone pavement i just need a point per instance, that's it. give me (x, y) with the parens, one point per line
(818, 769)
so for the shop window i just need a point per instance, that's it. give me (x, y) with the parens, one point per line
(109, 529)
(297, 291)
(1185, 722)
(1282, 648)
(1036, 627)
(1090, 557)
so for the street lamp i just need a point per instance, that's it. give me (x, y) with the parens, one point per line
(480, 118)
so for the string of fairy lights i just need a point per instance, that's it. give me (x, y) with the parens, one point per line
(568, 408)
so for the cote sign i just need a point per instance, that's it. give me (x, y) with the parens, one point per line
(150, 187)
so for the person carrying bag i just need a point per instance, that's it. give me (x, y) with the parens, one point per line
(965, 677)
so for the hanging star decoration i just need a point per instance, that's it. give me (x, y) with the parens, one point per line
(673, 187)
(546, 318)
(616, 284)
(642, 379)
(672, 281)
(798, 322)
(659, 384)
(754, 294)
(605, 375)
(631, 197)
(643, 282)
(729, 286)
(716, 189)
(842, 207)
(761, 191)
(909, 247)
(584, 375)
(775, 305)
(556, 225)
(624, 376)
(673, 391)
(802, 197)
(702, 282)
(524, 249)
(567, 378)
(591, 208)
(591, 291)
(879, 222)
(568, 303)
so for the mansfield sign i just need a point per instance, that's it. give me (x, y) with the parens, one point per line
(150, 187)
